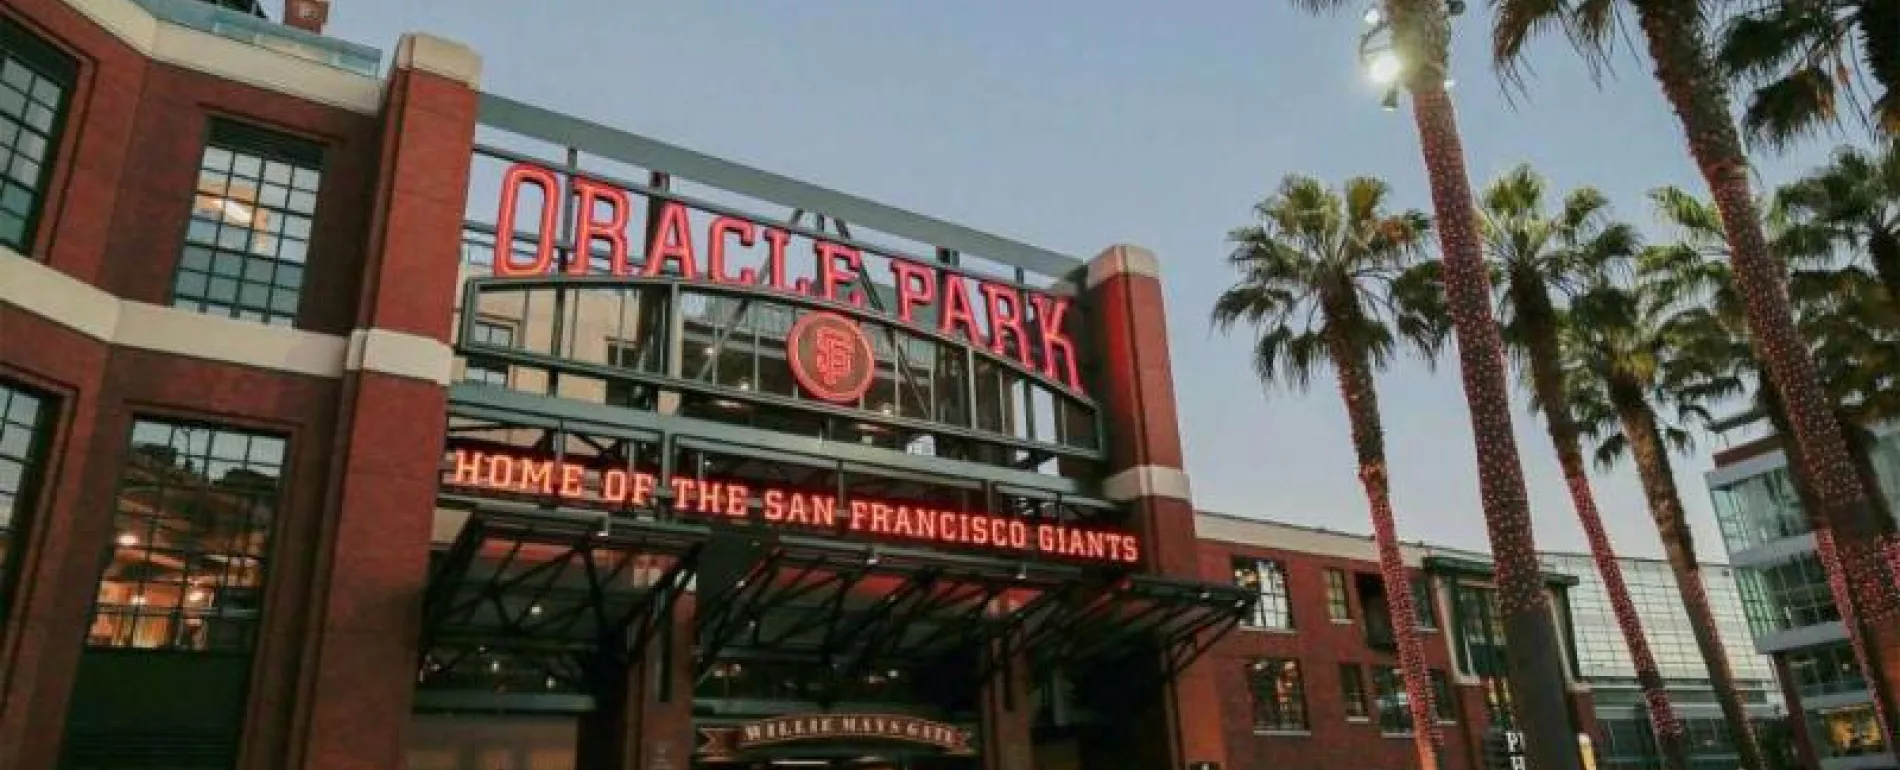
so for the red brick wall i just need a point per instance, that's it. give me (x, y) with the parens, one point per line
(120, 194)
(1321, 646)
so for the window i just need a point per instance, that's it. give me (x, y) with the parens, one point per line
(1338, 607)
(24, 425)
(1279, 695)
(35, 79)
(250, 225)
(195, 510)
(1388, 687)
(1422, 604)
(486, 371)
(1791, 594)
(1268, 579)
(1443, 707)
(1352, 691)
(1825, 670)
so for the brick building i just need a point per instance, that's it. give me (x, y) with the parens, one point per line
(351, 417)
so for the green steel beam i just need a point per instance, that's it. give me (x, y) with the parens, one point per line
(596, 139)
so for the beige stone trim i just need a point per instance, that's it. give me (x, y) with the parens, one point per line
(424, 52)
(1261, 533)
(1122, 259)
(69, 302)
(1147, 481)
(400, 354)
(231, 59)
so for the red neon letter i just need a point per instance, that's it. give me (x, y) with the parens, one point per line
(1058, 353)
(916, 287)
(642, 489)
(956, 308)
(716, 249)
(613, 486)
(996, 298)
(571, 476)
(775, 240)
(468, 468)
(832, 257)
(672, 240)
(537, 476)
(586, 228)
(511, 182)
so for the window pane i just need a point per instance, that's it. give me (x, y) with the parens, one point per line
(245, 202)
(1338, 607)
(1268, 579)
(1352, 690)
(34, 81)
(195, 509)
(25, 422)
(1279, 694)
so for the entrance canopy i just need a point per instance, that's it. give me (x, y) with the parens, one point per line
(567, 589)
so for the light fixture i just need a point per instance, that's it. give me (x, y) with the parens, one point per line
(127, 539)
(1449, 82)
(1373, 15)
(534, 609)
(1384, 66)
(494, 665)
(195, 596)
(138, 600)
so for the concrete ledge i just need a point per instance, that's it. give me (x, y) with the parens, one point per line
(1147, 481)
(424, 52)
(69, 302)
(399, 354)
(1122, 259)
(231, 59)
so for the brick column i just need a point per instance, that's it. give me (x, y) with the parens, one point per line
(1133, 382)
(1008, 721)
(647, 724)
(360, 660)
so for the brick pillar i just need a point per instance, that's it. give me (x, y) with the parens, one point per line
(647, 724)
(360, 661)
(1135, 386)
(1008, 719)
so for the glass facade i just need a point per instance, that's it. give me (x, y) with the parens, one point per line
(35, 82)
(1763, 508)
(1825, 670)
(1788, 595)
(250, 230)
(1849, 731)
(1279, 695)
(1602, 653)
(195, 511)
(1268, 578)
(25, 423)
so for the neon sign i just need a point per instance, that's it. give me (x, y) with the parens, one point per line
(789, 508)
(725, 743)
(1023, 324)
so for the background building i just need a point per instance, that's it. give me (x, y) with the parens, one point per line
(1785, 596)
(1603, 659)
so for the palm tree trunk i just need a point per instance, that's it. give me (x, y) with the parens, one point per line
(1536, 663)
(1883, 248)
(1368, 443)
(1674, 33)
(1547, 380)
(1665, 506)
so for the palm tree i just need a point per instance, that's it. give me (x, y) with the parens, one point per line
(1852, 206)
(1537, 254)
(1421, 38)
(1852, 547)
(1335, 279)
(1798, 58)
(1617, 358)
(1844, 316)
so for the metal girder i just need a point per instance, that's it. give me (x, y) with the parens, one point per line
(555, 586)
(596, 139)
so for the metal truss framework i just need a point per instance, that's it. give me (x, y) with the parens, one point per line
(559, 588)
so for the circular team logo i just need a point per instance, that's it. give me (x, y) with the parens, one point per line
(831, 357)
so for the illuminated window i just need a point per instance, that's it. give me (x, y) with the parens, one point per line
(250, 225)
(1279, 694)
(35, 79)
(24, 425)
(1352, 690)
(1338, 607)
(195, 510)
(486, 371)
(1268, 579)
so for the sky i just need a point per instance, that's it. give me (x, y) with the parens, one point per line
(1075, 125)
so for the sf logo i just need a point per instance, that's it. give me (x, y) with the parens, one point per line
(834, 354)
(831, 358)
